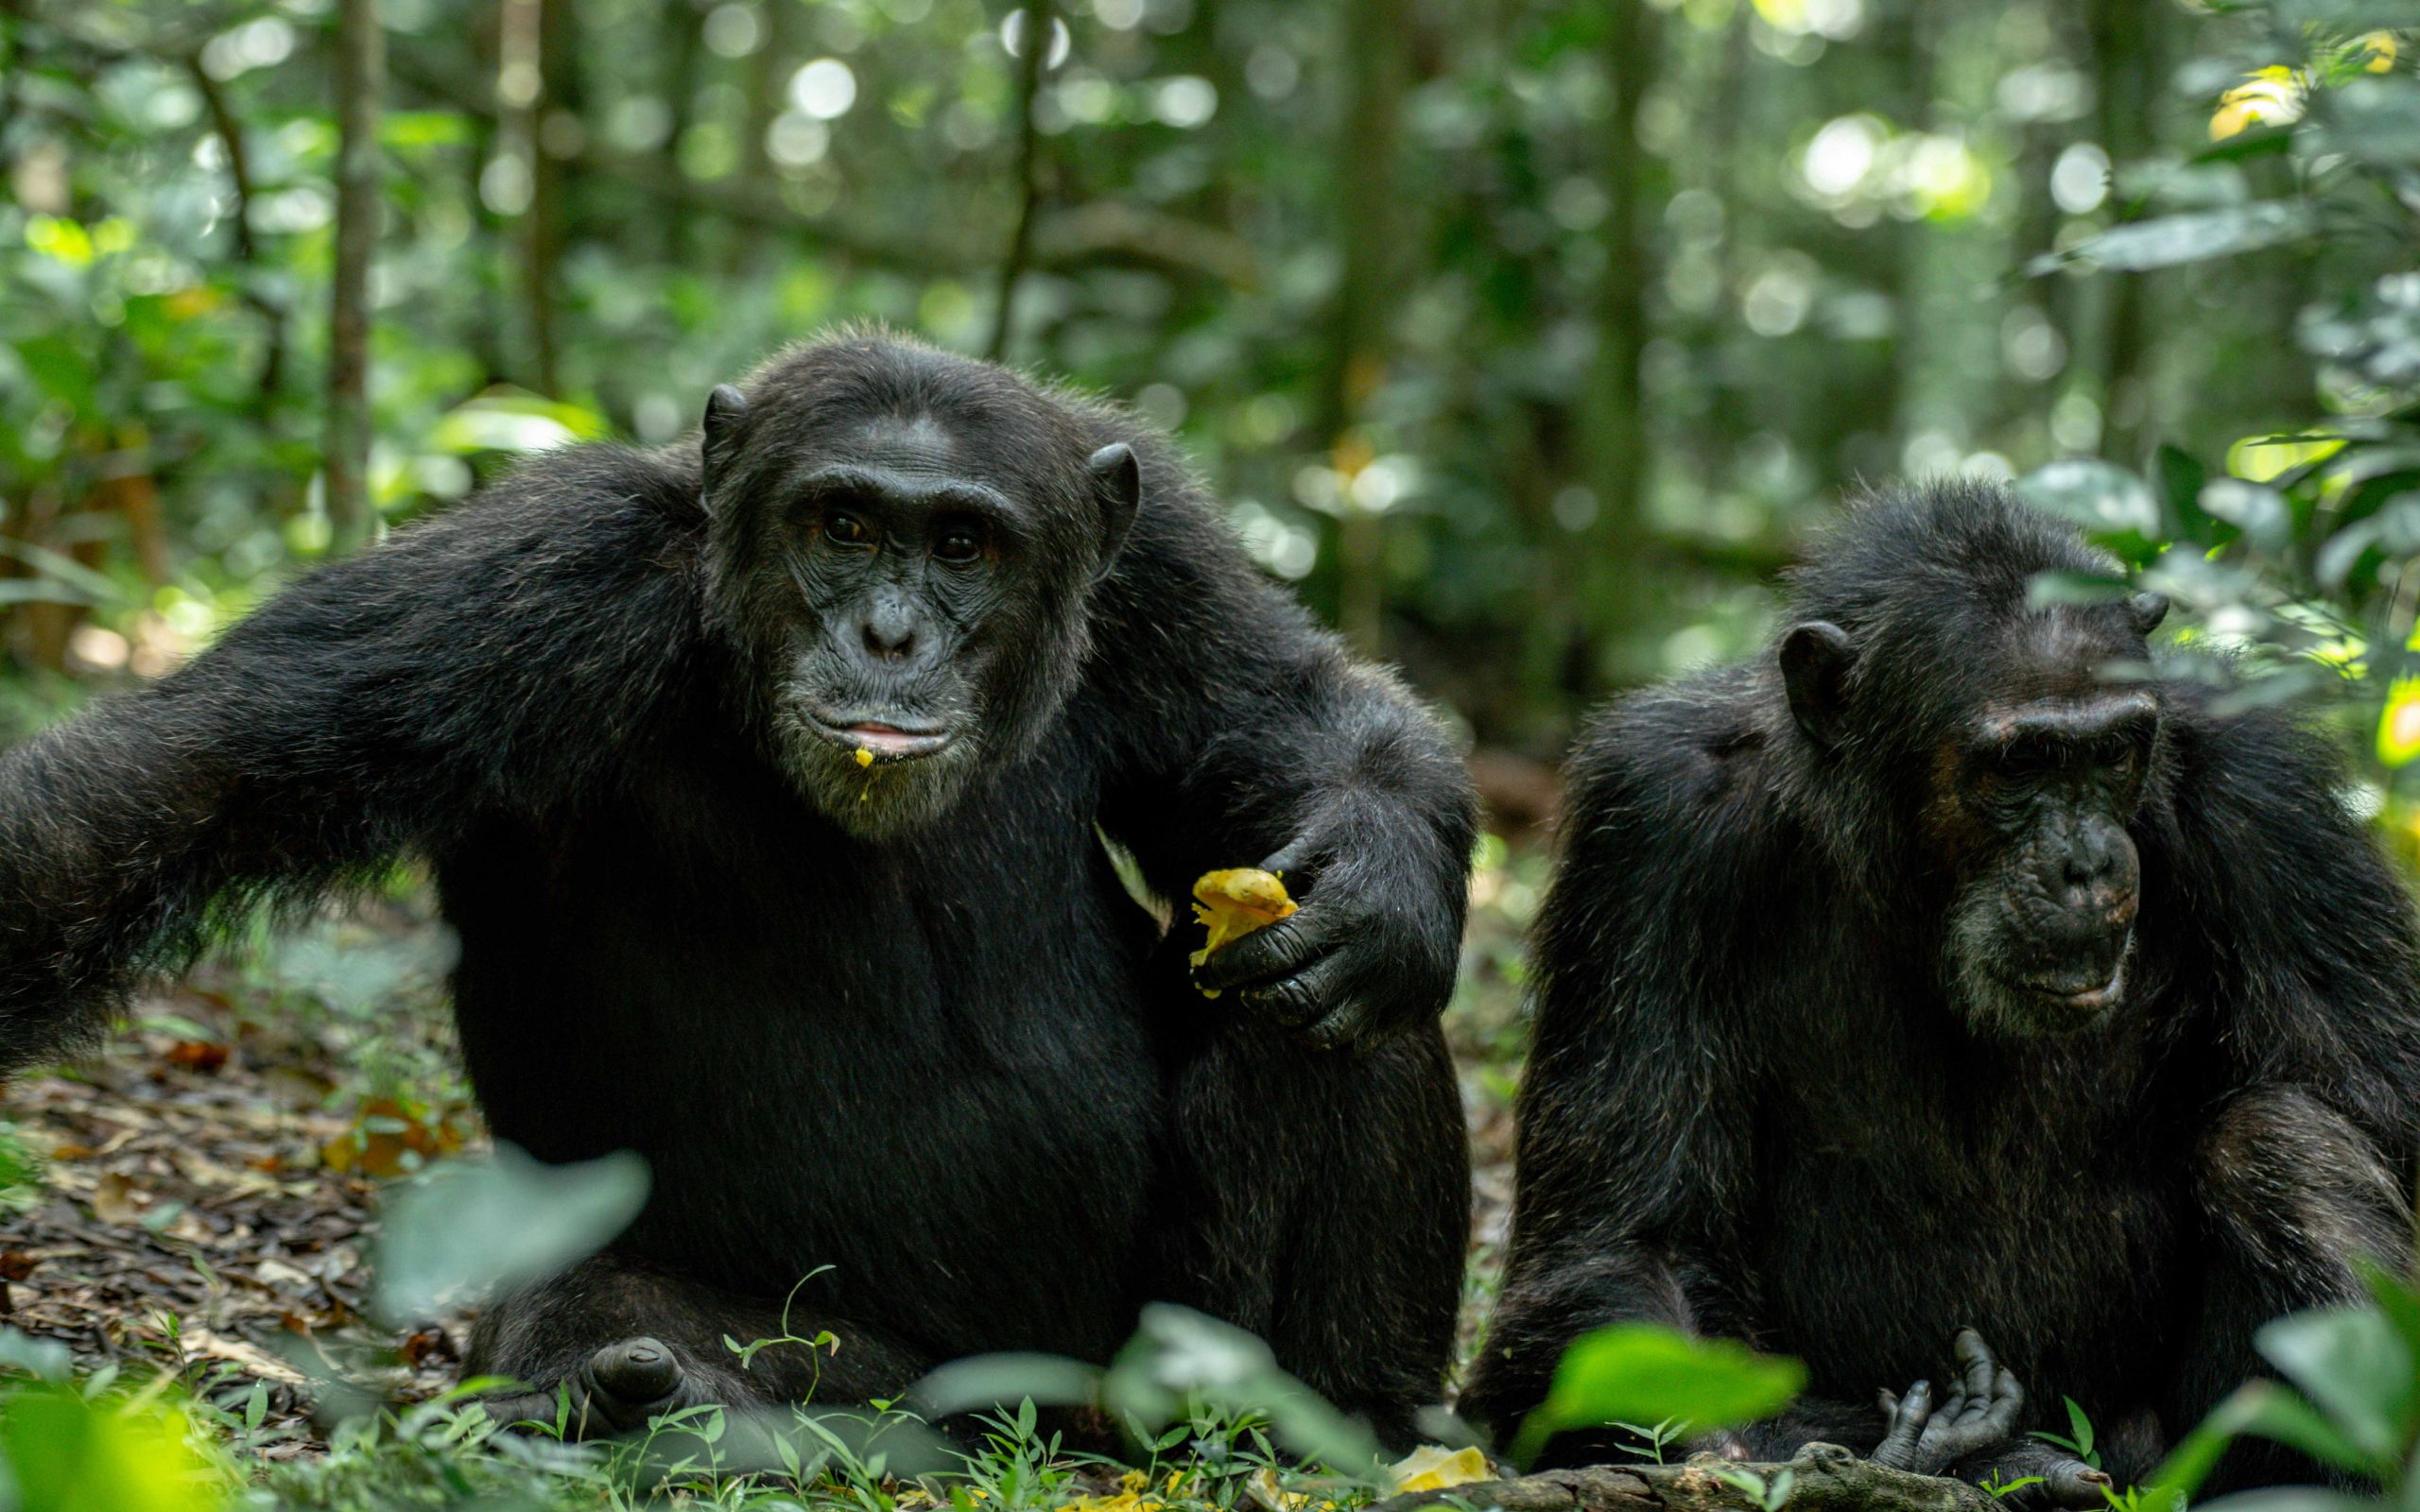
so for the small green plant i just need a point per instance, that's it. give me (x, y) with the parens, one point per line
(1652, 1441)
(1771, 1495)
(2000, 1488)
(2078, 1441)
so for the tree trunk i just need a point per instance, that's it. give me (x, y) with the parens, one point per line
(360, 73)
(1041, 21)
(1613, 415)
(1367, 202)
(2122, 67)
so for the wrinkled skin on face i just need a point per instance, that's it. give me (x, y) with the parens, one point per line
(2035, 802)
(907, 575)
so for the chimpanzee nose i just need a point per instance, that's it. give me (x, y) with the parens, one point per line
(2096, 870)
(890, 633)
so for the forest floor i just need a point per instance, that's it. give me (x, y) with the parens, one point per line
(199, 1198)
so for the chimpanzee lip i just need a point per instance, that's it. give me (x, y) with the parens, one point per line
(2082, 999)
(890, 740)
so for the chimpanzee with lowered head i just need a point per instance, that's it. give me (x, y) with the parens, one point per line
(1952, 973)
(760, 776)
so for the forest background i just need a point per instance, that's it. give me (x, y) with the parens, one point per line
(1528, 341)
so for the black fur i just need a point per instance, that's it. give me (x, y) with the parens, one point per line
(936, 1048)
(1760, 1106)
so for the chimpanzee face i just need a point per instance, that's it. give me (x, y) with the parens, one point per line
(2033, 803)
(2025, 769)
(911, 583)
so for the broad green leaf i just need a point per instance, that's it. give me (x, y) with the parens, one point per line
(469, 1225)
(2354, 1365)
(1644, 1372)
(2100, 496)
(983, 1382)
(1178, 1357)
(2196, 236)
(2268, 1411)
(62, 1454)
(2260, 512)
(2043, 590)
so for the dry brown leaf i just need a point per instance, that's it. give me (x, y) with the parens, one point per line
(196, 1055)
(115, 1199)
(254, 1360)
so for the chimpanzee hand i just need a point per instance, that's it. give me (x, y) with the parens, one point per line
(1370, 950)
(1973, 1434)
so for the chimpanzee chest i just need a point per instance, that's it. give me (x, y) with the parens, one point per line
(922, 1065)
(2058, 1234)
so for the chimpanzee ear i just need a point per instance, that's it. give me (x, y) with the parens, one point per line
(725, 408)
(2146, 610)
(1815, 662)
(1117, 485)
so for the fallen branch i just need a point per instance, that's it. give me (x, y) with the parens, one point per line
(1824, 1478)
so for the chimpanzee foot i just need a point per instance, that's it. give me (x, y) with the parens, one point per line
(1973, 1434)
(1981, 1413)
(612, 1392)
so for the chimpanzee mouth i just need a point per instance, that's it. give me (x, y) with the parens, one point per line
(2072, 997)
(881, 739)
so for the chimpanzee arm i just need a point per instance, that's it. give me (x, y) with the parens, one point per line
(496, 656)
(1635, 1116)
(1239, 736)
(2314, 962)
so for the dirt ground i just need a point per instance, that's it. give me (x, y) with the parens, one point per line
(206, 1184)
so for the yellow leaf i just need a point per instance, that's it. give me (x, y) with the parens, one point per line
(1234, 903)
(2399, 723)
(1435, 1467)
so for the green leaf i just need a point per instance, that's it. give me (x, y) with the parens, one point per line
(2043, 590)
(2355, 1366)
(498, 1222)
(2100, 496)
(2259, 511)
(2399, 1299)
(1179, 1357)
(1644, 1372)
(2181, 476)
(2078, 1423)
(2196, 236)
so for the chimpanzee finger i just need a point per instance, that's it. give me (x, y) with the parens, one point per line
(1294, 864)
(1281, 949)
(1305, 998)
(1976, 1367)
(1909, 1415)
(2008, 1402)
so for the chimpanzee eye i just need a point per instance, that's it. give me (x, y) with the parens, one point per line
(845, 529)
(2023, 761)
(957, 544)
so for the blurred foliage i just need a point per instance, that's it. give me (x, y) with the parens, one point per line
(2296, 549)
(1526, 337)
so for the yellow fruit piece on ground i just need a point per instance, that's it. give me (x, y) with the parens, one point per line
(1435, 1467)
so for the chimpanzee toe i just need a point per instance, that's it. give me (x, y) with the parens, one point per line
(636, 1372)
